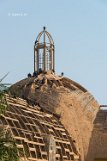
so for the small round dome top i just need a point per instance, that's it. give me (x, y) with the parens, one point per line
(46, 37)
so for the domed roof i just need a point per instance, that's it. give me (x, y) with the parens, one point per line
(75, 107)
(46, 34)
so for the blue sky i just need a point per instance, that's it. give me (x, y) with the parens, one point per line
(79, 30)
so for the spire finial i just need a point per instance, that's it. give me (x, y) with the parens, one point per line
(44, 28)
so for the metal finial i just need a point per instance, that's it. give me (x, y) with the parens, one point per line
(44, 28)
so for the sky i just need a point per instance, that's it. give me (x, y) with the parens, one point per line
(79, 31)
